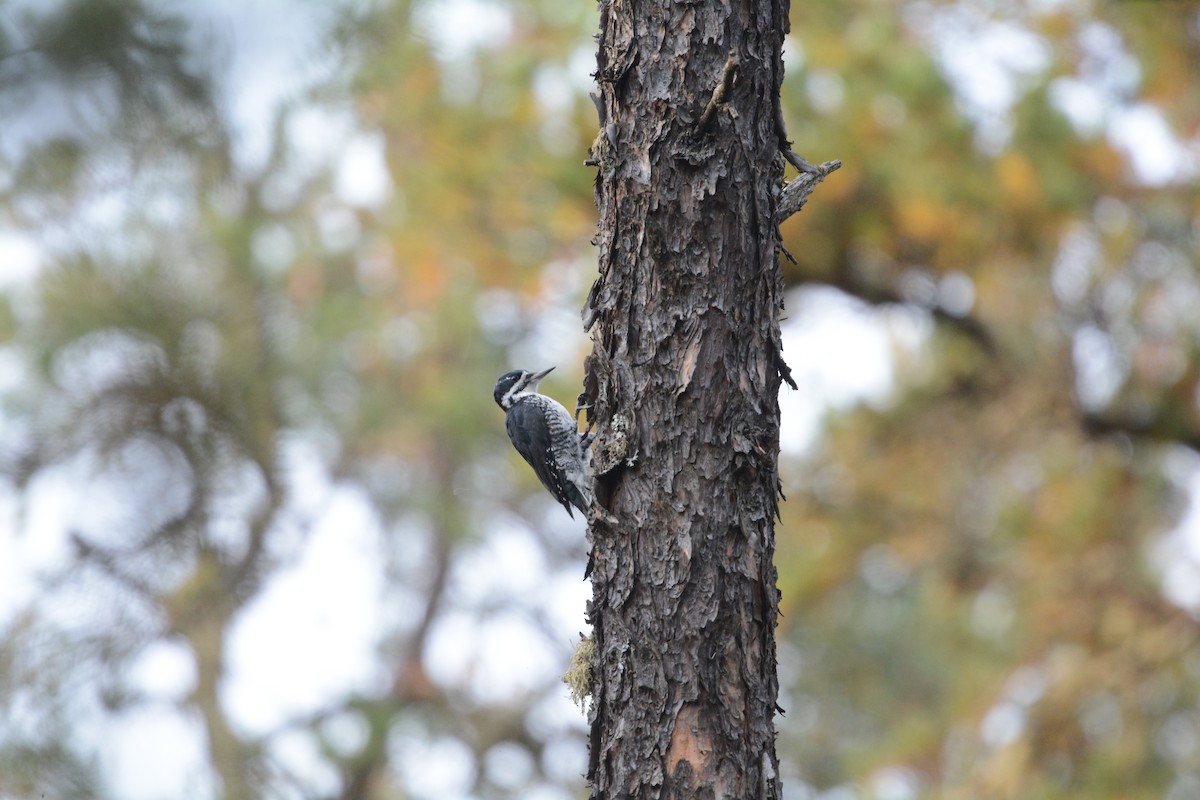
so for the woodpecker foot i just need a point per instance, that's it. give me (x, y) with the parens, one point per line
(581, 404)
(587, 437)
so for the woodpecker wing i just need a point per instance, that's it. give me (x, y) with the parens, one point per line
(545, 435)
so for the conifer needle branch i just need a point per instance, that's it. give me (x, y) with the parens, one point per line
(1159, 428)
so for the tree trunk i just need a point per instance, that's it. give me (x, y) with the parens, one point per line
(683, 383)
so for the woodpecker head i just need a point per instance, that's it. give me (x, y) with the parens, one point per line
(514, 385)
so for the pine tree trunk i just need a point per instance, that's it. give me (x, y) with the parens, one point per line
(683, 381)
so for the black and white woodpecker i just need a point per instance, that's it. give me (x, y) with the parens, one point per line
(546, 436)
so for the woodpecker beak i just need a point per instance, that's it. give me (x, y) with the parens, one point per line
(536, 377)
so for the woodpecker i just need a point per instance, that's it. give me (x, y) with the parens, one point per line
(546, 436)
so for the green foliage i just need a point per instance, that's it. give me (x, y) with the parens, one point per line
(1007, 544)
(971, 575)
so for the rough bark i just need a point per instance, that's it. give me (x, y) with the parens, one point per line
(683, 384)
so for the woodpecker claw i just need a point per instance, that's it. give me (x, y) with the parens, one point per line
(581, 404)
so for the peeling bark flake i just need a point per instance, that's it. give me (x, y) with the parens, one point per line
(683, 384)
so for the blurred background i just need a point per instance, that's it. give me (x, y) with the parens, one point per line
(261, 531)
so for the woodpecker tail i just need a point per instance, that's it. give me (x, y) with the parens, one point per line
(580, 497)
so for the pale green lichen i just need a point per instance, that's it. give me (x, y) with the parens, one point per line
(579, 675)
